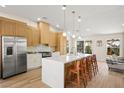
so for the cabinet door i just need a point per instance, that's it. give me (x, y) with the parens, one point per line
(50, 38)
(8, 27)
(20, 29)
(32, 35)
(0, 57)
(0, 27)
(35, 37)
(54, 38)
(44, 32)
(29, 36)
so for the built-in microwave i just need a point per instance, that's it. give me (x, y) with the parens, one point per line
(46, 54)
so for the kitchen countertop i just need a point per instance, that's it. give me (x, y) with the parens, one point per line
(66, 58)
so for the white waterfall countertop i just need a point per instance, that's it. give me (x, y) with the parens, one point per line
(66, 58)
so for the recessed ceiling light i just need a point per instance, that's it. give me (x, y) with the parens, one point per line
(38, 19)
(122, 24)
(88, 29)
(64, 7)
(57, 25)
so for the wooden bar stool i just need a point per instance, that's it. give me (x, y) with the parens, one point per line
(83, 69)
(89, 67)
(68, 66)
(93, 66)
(74, 73)
(94, 61)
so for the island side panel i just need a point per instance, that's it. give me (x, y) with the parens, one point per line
(53, 73)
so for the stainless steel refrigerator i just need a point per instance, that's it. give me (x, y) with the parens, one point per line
(14, 59)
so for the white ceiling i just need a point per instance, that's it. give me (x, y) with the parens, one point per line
(99, 19)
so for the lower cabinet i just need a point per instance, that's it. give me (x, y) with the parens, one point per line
(34, 61)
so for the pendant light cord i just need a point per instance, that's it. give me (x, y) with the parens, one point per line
(73, 12)
(64, 22)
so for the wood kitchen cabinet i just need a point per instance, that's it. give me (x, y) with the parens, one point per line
(0, 27)
(36, 38)
(16, 28)
(44, 32)
(32, 36)
(52, 38)
(8, 27)
(12, 27)
(61, 43)
(21, 29)
(47, 35)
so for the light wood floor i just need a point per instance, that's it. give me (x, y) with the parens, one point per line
(32, 79)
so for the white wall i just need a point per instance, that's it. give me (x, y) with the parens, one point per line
(101, 52)
(18, 19)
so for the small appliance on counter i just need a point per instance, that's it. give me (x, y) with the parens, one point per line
(13, 56)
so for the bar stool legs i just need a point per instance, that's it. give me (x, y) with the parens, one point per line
(89, 68)
(95, 65)
(75, 74)
(84, 71)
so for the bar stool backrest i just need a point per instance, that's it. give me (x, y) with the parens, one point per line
(83, 61)
(94, 58)
(76, 64)
(89, 59)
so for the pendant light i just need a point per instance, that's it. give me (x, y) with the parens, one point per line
(79, 21)
(64, 8)
(73, 36)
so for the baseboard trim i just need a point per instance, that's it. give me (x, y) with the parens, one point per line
(33, 68)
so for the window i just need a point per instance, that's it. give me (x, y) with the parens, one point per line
(88, 48)
(80, 46)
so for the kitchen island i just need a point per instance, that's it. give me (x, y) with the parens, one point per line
(53, 69)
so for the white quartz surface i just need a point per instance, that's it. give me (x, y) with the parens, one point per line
(66, 58)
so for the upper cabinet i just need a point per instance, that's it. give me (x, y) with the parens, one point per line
(8, 27)
(47, 35)
(61, 43)
(12, 27)
(52, 38)
(44, 32)
(16, 28)
(32, 36)
(21, 29)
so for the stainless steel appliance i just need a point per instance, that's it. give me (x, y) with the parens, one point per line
(14, 59)
(46, 54)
